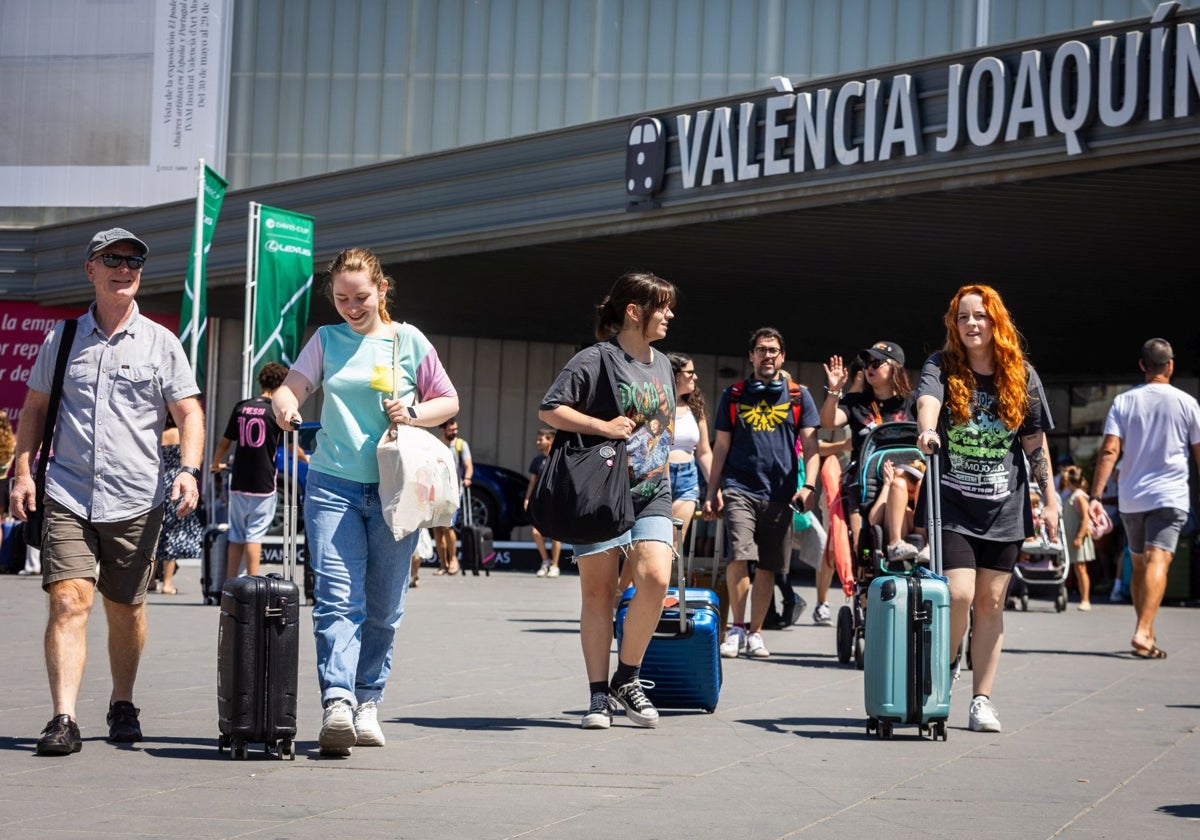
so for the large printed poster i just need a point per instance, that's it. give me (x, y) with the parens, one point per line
(111, 104)
(23, 328)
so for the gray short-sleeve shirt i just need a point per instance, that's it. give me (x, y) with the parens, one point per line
(105, 464)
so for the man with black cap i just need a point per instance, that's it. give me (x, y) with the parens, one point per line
(1153, 425)
(103, 502)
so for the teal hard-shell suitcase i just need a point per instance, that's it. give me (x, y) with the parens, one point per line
(906, 660)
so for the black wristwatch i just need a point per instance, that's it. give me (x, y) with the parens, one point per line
(194, 472)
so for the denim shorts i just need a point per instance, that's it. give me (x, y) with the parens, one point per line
(685, 482)
(655, 528)
(250, 517)
(1158, 528)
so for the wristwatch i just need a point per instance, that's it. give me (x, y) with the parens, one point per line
(194, 472)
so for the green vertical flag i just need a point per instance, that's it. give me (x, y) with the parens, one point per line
(193, 317)
(282, 284)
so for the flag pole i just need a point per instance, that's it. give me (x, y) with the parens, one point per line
(197, 267)
(251, 283)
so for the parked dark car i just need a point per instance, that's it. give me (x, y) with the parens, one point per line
(497, 493)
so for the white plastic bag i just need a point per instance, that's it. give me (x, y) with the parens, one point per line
(418, 480)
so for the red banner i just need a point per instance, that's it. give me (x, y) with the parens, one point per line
(23, 328)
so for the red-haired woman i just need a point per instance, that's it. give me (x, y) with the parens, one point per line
(982, 404)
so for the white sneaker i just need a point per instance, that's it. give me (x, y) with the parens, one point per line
(821, 614)
(735, 642)
(552, 572)
(366, 726)
(983, 715)
(545, 568)
(337, 728)
(755, 648)
(902, 552)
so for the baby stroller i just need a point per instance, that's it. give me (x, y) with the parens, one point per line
(1041, 569)
(896, 442)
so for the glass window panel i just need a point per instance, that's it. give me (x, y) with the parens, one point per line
(714, 53)
(686, 83)
(582, 63)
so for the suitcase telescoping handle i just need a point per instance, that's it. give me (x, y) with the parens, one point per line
(933, 505)
(682, 581)
(468, 513)
(291, 492)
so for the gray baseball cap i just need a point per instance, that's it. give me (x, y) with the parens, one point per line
(111, 237)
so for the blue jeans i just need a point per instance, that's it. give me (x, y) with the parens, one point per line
(361, 582)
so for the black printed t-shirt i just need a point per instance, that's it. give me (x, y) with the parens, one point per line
(864, 412)
(252, 427)
(985, 486)
(645, 394)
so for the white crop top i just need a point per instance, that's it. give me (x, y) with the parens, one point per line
(687, 431)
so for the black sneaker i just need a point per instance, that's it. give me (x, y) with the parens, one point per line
(599, 713)
(60, 737)
(638, 708)
(792, 610)
(123, 726)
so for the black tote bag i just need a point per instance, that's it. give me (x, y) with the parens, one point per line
(582, 495)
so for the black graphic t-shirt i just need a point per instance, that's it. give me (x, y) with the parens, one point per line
(646, 395)
(985, 487)
(864, 412)
(252, 427)
(538, 464)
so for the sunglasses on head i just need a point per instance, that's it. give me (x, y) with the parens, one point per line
(115, 260)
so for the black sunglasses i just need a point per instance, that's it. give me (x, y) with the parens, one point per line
(873, 364)
(115, 260)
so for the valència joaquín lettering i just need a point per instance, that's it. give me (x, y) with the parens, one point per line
(1065, 90)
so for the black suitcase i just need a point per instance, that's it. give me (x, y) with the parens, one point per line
(258, 648)
(478, 552)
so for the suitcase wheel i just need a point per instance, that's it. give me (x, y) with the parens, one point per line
(939, 730)
(885, 730)
(223, 743)
(287, 749)
(237, 750)
(872, 725)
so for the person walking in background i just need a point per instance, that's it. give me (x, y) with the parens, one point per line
(1150, 428)
(549, 567)
(981, 398)
(753, 483)
(635, 314)
(182, 535)
(1077, 536)
(8, 445)
(252, 496)
(104, 491)
(691, 451)
(361, 570)
(443, 535)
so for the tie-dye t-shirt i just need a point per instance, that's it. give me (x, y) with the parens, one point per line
(985, 487)
(645, 394)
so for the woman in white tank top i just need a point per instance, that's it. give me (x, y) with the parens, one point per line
(691, 451)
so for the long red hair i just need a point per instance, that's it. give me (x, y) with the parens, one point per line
(1007, 348)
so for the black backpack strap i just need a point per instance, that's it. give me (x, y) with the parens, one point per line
(60, 369)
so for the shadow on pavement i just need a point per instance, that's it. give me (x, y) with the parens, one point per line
(495, 724)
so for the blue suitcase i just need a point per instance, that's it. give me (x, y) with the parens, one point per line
(906, 660)
(682, 665)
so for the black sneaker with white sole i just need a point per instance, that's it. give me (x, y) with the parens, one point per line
(638, 708)
(599, 713)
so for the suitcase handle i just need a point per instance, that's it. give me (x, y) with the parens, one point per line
(291, 493)
(933, 506)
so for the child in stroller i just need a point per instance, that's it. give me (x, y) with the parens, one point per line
(885, 470)
(1041, 567)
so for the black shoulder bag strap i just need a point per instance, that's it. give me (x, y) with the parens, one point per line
(60, 369)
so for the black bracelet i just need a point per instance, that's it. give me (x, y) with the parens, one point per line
(809, 487)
